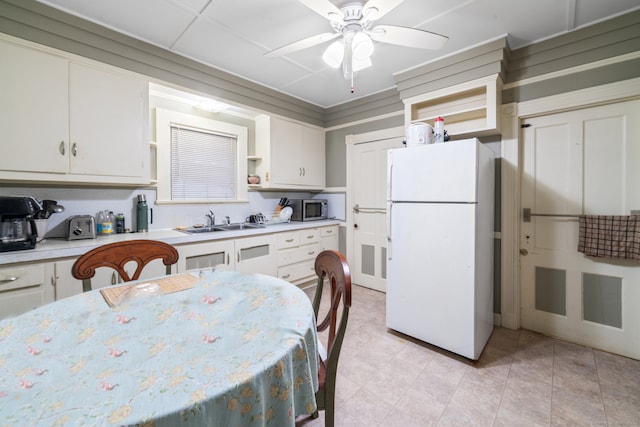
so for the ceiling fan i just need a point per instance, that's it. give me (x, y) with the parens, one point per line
(353, 24)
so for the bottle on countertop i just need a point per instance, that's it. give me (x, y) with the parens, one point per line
(99, 221)
(120, 223)
(438, 130)
(142, 214)
(107, 223)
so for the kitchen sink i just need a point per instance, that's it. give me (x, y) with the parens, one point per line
(238, 226)
(194, 230)
(228, 227)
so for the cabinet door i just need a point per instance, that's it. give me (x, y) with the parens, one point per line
(329, 238)
(312, 157)
(25, 287)
(286, 167)
(207, 255)
(34, 124)
(107, 122)
(256, 255)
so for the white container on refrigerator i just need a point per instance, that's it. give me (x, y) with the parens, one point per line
(440, 244)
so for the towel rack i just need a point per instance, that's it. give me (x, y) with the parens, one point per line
(527, 214)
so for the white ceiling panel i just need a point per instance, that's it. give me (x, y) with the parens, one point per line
(588, 11)
(212, 44)
(156, 21)
(234, 35)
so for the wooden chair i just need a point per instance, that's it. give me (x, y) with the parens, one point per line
(331, 266)
(117, 255)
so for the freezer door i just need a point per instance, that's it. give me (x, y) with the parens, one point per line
(434, 173)
(431, 274)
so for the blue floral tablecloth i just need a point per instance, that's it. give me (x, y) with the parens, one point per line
(234, 350)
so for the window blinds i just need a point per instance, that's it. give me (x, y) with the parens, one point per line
(203, 164)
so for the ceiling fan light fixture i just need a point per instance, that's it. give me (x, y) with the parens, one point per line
(361, 63)
(334, 54)
(362, 46)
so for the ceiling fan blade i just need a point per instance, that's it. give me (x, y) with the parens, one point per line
(322, 7)
(410, 37)
(383, 7)
(301, 44)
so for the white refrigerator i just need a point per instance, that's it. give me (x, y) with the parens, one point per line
(440, 203)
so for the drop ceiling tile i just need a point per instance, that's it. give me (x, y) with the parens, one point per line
(210, 43)
(269, 24)
(157, 21)
(593, 10)
(193, 5)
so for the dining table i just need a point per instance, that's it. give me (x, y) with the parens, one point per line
(214, 348)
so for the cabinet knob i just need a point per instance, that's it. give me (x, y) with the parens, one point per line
(61, 148)
(74, 149)
(9, 280)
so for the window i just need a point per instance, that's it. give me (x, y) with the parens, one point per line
(200, 160)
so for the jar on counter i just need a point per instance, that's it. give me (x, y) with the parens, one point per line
(120, 223)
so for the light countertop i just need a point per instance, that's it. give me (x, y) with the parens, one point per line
(56, 248)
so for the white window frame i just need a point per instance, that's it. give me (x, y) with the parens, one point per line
(164, 120)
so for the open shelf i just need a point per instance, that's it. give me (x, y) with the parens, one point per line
(468, 110)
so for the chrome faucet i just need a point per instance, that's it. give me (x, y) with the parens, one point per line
(227, 220)
(211, 217)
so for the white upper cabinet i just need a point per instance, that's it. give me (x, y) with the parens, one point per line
(34, 114)
(70, 122)
(108, 119)
(289, 155)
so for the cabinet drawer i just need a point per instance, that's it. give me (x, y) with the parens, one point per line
(311, 235)
(302, 253)
(302, 271)
(288, 239)
(329, 231)
(21, 277)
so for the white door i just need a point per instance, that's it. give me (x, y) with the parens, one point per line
(368, 268)
(580, 162)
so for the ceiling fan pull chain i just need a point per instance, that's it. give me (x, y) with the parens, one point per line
(353, 89)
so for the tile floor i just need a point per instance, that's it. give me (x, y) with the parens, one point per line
(522, 379)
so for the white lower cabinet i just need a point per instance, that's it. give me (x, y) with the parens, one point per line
(25, 287)
(329, 238)
(256, 255)
(218, 254)
(297, 251)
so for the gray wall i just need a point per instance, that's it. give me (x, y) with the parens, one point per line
(336, 148)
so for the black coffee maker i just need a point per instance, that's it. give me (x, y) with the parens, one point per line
(17, 226)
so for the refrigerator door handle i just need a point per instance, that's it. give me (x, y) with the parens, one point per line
(389, 174)
(389, 207)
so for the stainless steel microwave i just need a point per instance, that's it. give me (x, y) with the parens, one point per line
(308, 209)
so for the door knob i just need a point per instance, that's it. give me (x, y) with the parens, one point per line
(524, 252)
